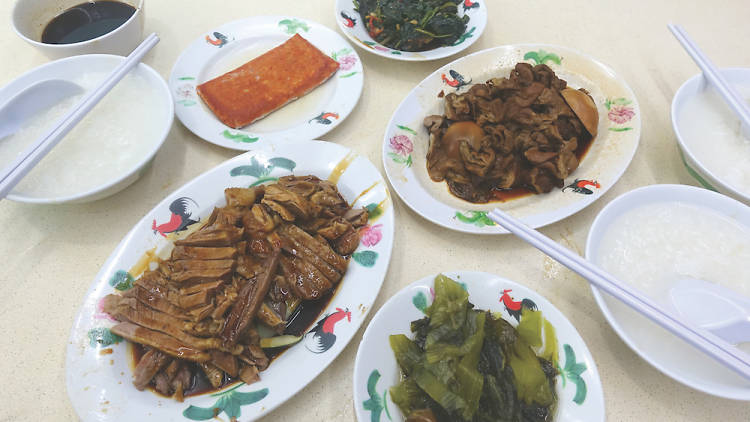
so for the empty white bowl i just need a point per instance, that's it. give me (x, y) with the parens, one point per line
(158, 98)
(663, 350)
(696, 161)
(30, 17)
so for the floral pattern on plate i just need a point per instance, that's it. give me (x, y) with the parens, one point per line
(477, 218)
(347, 60)
(229, 402)
(402, 146)
(377, 403)
(293, 26)
(619, 112)
(542, 57)
(184, 92)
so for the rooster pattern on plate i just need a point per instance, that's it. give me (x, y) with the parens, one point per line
(582, 186)
(181, 210)
(218, 39)
(322, 337)
(455, 80)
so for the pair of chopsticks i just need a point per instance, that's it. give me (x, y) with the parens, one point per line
(714, 77)
(715, 347)
(11, 175)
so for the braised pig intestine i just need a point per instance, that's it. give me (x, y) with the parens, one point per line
(254, 260)
(509, 133)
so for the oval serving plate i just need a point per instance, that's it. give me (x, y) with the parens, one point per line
(350, 23)
(233, 44)
(579, 389)
(99, 364)
(406, 140)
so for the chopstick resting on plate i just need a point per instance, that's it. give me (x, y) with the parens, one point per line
(11, 175)
(720, 350)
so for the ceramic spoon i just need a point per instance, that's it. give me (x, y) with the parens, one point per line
(32, 100)
(717, 309)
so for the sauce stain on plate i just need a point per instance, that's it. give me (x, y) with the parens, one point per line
(341, 168)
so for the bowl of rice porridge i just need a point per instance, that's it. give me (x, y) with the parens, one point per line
(654, 236)
(714, 149)
(107, 150)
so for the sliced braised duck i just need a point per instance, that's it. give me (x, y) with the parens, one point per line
(157, 340)
(150, 364)
(252, 263)
(203, 253)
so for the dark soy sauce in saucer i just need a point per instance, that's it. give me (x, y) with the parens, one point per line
(86, 21)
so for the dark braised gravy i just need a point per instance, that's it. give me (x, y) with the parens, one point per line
(86, 21)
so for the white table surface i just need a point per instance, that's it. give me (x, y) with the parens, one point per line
(50, 254)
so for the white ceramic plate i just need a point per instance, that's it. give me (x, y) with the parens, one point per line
(406, 140)
(99, 368)
(653, 343)
(71, 68)
(579, 389)
(351, 24)
(232, 45)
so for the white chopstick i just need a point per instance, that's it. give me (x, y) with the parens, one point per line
(714, 77)
(720, 350)
(12, 174)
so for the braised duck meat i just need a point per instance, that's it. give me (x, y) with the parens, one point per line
(524, 131)
(253, 262)
(250, 298)
(149, 365)
(161, 341)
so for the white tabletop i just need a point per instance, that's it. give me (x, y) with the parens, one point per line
(50, 254)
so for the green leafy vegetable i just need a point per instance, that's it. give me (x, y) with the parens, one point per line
(415, 25)
(472, 366)
(408, 354)
(550, 343)
(530, 380)
(530, 327)
(533, 328)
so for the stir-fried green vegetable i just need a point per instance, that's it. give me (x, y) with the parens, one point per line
(468, 365)
(414, 25)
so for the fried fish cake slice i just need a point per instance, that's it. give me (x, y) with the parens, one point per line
(267, 82)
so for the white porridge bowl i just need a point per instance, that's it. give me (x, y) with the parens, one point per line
(712, 150)
(106, 151)
(642, 238)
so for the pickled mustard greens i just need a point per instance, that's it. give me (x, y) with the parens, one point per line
(469, 365)
(415, 25)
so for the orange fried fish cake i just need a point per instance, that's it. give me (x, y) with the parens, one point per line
(267, 82)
